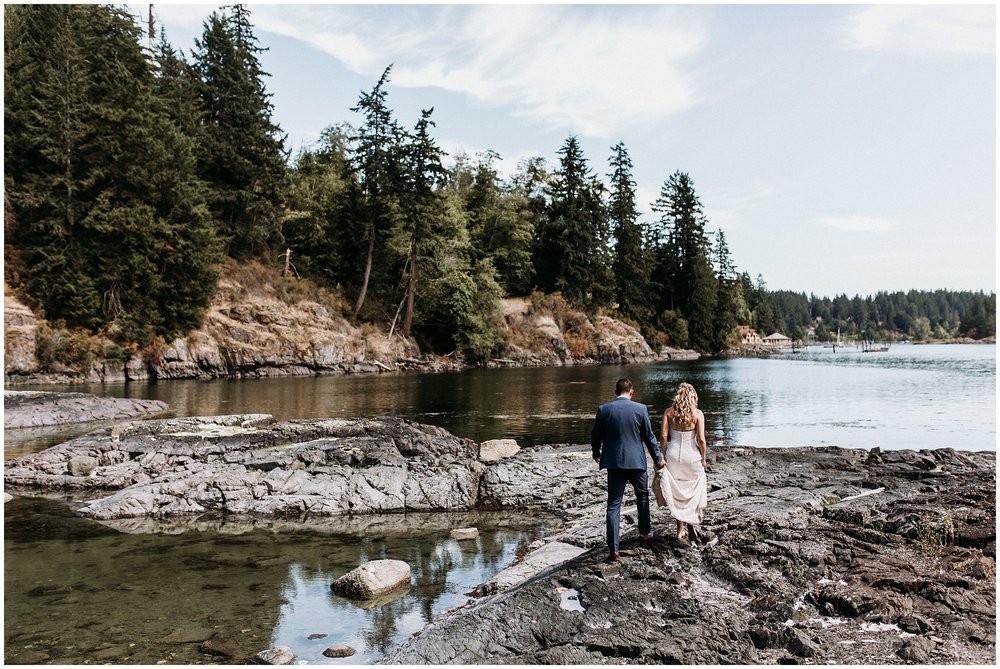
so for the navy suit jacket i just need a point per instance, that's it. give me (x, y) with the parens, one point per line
(620, 431)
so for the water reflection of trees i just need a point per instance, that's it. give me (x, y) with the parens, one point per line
(443, 569)
(533, 405)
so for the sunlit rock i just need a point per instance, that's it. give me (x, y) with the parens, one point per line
(495, 450)
(373, 579)
(278, 655)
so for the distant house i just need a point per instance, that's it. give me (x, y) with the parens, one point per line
(777, 340)
(748, 336)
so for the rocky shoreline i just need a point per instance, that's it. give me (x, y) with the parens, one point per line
(253, 331)
(807, 555)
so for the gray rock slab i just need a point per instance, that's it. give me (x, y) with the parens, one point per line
(817, 555)
(546, 556)
(26, 409)
(220, 647)
(251, 465)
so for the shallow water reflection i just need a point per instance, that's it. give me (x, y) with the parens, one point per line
(82, 592)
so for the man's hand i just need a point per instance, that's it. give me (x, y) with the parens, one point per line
(598, 461)
(663, 463)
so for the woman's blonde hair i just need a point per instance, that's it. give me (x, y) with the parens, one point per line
(685, 404)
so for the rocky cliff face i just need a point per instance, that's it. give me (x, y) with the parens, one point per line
(253, 329)
(20, 330)
(542, 330)
(260, 334)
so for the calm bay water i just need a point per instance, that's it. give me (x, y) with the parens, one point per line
(915, 397)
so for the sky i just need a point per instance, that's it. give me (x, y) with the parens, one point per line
(842, 148)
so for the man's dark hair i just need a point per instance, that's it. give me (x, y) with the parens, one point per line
(623, 386)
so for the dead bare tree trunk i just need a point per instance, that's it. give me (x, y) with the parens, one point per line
(284, 272)
(368, 271)
(408, 318)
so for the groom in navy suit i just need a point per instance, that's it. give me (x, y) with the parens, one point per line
(621, 429)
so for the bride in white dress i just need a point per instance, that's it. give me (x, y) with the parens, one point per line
(681, 486)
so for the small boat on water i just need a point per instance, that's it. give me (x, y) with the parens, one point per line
(871, 346)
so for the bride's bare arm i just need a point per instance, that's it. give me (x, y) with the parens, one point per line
(665, 432)
(702, 442)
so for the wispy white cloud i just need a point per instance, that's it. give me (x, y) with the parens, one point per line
(731, 210)
(590, 69)
(859, 223)
(923, 29)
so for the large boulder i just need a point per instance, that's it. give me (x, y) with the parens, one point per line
(340, 650)
(373, 579)
(82, 465)
(278, 655)
(496, 450)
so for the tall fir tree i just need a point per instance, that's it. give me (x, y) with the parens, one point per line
(687, 283)
(377, 156)
(318, 227)
(701, 310)
(766, 319)
(576, 239)
(422, 203)
(177, 86)
(500, 225)
(728, 298)
(632, 265)
(241, 155)
(111, 220)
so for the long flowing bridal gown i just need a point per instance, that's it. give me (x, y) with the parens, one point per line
(681, 485)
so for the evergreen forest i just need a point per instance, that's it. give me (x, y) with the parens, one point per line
(134, 170)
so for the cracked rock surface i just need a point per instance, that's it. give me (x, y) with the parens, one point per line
(806, 556)
(28, 408)
(253, 465)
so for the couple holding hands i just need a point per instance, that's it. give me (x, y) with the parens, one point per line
(621, 429)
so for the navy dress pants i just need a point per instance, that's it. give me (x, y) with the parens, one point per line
(617, 478)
